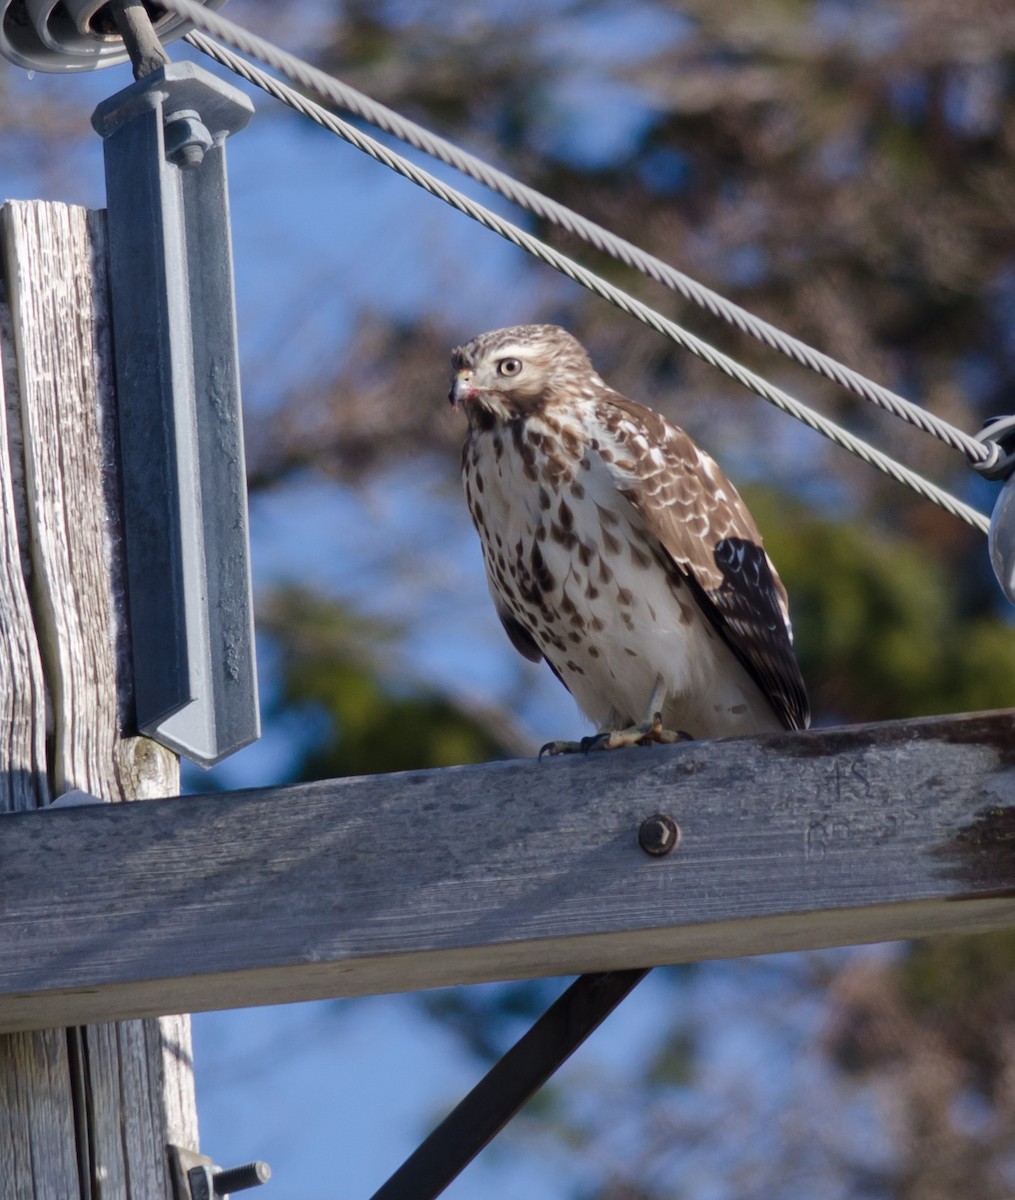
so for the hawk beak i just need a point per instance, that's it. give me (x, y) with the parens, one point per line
(461, 387)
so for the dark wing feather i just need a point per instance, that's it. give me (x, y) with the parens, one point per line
(704, 529)
(745, 609)
(520, 637)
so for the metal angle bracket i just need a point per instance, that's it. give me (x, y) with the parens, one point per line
(178, 399)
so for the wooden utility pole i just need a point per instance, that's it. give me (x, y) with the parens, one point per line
(86, 1111)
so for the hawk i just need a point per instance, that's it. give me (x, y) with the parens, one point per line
(618, 551)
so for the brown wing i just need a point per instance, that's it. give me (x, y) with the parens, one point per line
(704, 529)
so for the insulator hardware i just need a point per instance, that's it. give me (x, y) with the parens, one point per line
(74, 35)
(999, 432)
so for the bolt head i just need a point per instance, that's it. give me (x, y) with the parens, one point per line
(659, 835)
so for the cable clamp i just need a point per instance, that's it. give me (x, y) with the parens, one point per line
(998, 435)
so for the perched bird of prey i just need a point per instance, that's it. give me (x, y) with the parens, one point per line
(618, 551)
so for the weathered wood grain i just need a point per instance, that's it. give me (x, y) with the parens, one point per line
(508, 870)
(37, 1144)
(135, 1079)
(23, 782)
(62, 331)
(37, 1135)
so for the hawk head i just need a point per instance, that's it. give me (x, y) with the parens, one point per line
(515, 372)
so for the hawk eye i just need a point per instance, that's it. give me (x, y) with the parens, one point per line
(509, 366)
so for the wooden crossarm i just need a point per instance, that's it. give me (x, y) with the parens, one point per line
(507, 870)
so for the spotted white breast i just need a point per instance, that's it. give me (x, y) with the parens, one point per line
(579, 578)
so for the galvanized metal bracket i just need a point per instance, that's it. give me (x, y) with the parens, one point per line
(178, 396)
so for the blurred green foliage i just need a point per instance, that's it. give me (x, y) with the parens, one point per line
(879, 620)
(357, 717)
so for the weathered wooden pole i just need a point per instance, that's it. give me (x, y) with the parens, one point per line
(88, 1111)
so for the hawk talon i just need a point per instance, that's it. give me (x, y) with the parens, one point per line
(645, 734)
(592, 742)
(558, 747)
(666, 737)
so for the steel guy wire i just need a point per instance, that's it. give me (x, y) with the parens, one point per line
(979, 453)
(595, 284)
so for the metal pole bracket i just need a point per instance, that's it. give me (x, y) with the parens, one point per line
(178, 399)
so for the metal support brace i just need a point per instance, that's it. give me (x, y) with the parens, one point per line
(529, 1063)
(178, 395)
